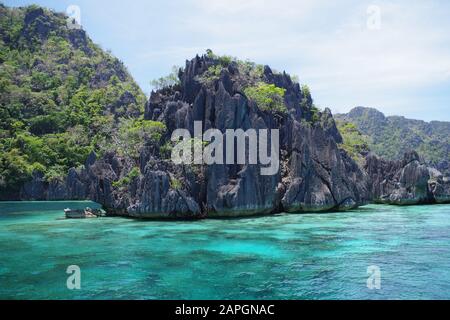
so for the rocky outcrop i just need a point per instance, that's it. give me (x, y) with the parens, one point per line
(439, 186)
(406, 182)
(321, 177)
(314, 174)
(34, 189)
(156, 199)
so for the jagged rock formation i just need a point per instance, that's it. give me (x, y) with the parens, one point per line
(314, 174)
(406, 182)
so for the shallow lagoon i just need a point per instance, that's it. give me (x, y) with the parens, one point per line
(307, 256)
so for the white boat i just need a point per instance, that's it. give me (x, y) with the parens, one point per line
(79, 213)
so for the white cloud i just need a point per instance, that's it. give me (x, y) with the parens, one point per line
(398, 68)
(331, 48)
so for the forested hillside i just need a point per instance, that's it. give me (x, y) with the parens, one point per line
(390, 137)
(61, 97)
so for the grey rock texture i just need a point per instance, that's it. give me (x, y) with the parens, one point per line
(34, 189)
(156, 198)
(314, 174)
(439, 187)
(406, 182)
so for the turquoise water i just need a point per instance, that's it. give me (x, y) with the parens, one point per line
(309, 256)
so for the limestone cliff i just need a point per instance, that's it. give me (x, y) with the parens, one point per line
(406, 182)
(314, 174)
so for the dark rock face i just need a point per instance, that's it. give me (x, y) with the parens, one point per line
(37, 22)
(57, 190)
(439, 187)
(156, 199)
(79, 40)
(34, 189)
(314, 175)
(321, 177)
(443, 166)
(406, 182)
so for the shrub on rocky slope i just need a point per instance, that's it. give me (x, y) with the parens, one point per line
(61, 96)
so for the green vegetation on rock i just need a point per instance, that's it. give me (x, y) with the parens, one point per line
(132, 134)
(211, 75)
(61, 95)
(175, 183)
(126, 180)
(267, 96)
(356, 144)
(224, 60)
(250, 73)
(391, 137)
(167, 81)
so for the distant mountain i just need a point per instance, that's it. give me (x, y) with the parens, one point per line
(390, 137)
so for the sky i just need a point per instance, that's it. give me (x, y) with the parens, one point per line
(390, 55)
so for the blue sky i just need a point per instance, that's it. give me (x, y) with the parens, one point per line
(399, 63)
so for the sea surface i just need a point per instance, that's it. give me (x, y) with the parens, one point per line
(287, 256)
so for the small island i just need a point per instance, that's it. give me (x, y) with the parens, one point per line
(99, 140)
(227, 179)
